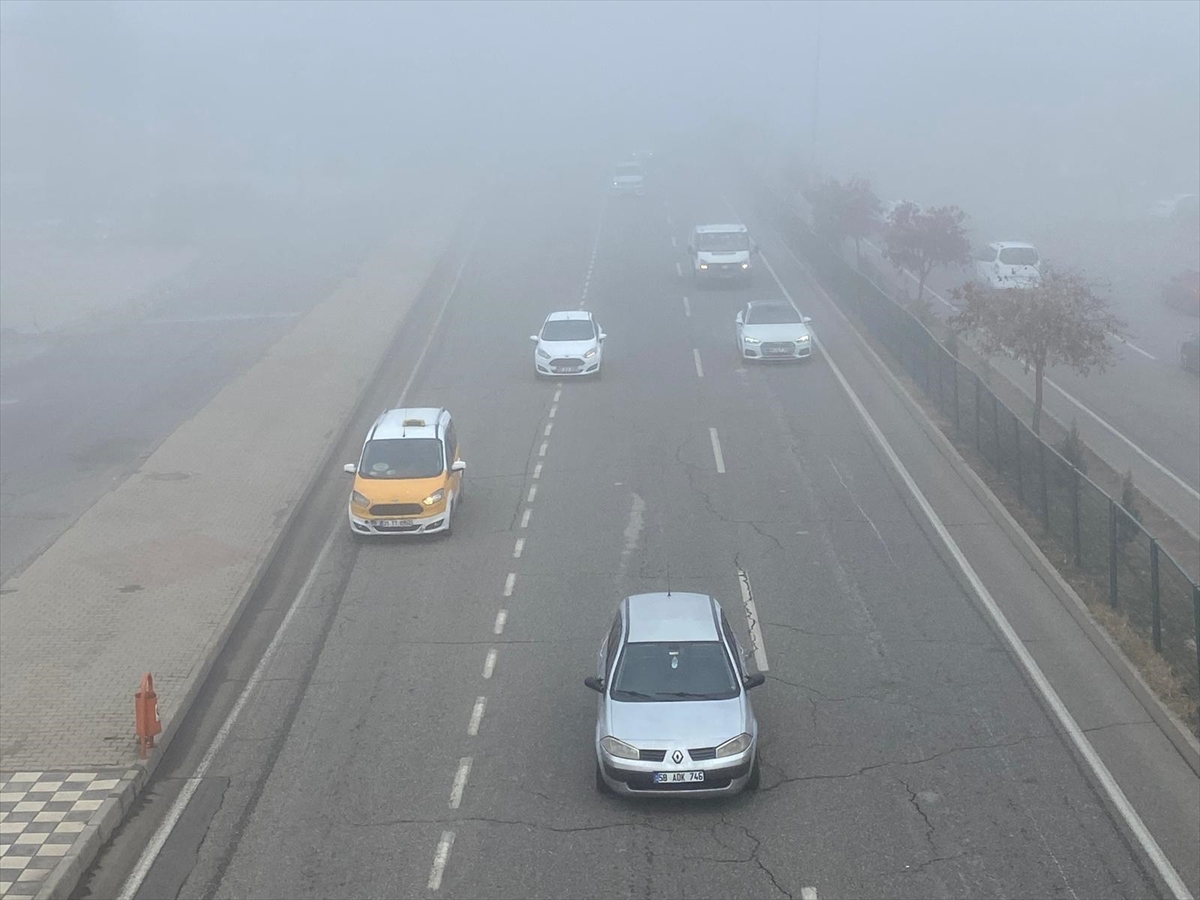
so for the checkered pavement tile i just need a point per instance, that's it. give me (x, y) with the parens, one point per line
(41, 815)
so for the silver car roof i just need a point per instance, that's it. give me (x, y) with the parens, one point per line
(671, 617)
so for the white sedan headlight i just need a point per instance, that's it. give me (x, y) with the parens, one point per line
(590, 353)
(803, 339)
(614, 747)
(435, 497)
(739, 744)
(542, 354)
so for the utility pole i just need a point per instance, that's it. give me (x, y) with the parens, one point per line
(816, 96)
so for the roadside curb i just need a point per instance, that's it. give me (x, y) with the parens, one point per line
(64, 878)
(1176, 732)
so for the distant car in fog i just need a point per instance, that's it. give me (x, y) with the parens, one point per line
(772, 329)
(722, 252)
(1189, 354)
(1008, 264)
(570, 343)
(1181, 206)
(1183, 292)
(629, 178)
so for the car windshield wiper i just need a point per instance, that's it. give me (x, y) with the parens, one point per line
(688, 695)
(636, 695)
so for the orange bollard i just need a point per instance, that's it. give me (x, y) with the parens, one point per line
(146, 722)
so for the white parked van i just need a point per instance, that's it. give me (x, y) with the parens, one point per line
(722, 252)
(629, 178)
(1009, 264)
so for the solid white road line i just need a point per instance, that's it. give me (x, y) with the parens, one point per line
(752, 621)
(679, 270)
(150, 854)
(542, 449)
(716, 445)
(476, 716)
(687, 308)
(489, 664)
(518, 548)
(509, 581)
(460, 782)
(439, 860)
(1131, 345)
(1191, 491)
(159, 839)
(1065, 720)
(525, 518)
(699, 368)
(501, 618)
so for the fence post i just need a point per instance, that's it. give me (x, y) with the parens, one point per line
(928, 352)
(941, 379)
(978, 388)
(1196, 621)
(1112, 552)
(1045, 492)
(957, 426)
(1155, 610)
(996, 432)
(1020, 462)
(1075, 476)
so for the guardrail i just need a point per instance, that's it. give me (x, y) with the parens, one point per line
(1095, 535)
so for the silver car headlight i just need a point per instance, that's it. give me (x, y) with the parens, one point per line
(542, 354)
(359, 499)
(614, 747)
(590, 353)
(704, 265)
(739, 744)
(751, 340)
(435, 497)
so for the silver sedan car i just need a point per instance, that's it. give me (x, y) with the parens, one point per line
(674, 717)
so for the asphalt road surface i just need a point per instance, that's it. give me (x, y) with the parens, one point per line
(77, 419)
(423, 729)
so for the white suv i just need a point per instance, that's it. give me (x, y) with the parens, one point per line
(569, 343)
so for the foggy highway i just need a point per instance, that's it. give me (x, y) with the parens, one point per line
(422, 728)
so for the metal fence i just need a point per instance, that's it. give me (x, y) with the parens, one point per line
(1092, 531)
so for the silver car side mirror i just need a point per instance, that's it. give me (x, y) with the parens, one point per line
(533, 337)
(350, 468)
(458, 466)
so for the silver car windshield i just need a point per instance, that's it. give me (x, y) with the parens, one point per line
(657, 672)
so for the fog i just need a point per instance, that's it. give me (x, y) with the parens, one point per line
(1018, 112)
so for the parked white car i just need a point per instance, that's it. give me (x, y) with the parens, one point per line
(569, 343)
(1009, 264)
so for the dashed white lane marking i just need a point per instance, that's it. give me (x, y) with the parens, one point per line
(476, 716)
(532, 493)
(509, 582)
(699, 368)
(670, 222)
(460, 782)
(519, 548)
(9, 402)
(752, 621)
(716, 445)
(439, 860)
(808, 893)
(587, 281)
(501, 618)
(542, 449)
(633, 530)
(557, 394)
(525, 518)
(674, 243)
(553, 411)
(537, 471)
(489, 664)
(1065, 720)
(548, 429)
(679, 270)
(687, 308)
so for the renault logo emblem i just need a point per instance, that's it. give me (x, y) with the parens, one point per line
(677, 757)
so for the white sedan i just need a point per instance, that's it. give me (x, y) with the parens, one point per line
(570, 343)
(772, 329)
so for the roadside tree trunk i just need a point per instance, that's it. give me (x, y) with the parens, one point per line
(1039, 370)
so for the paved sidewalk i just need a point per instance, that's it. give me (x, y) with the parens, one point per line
(152, 577)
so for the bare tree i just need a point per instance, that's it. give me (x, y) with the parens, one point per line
(920, 240)
(844, 210)
(1062, 321)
